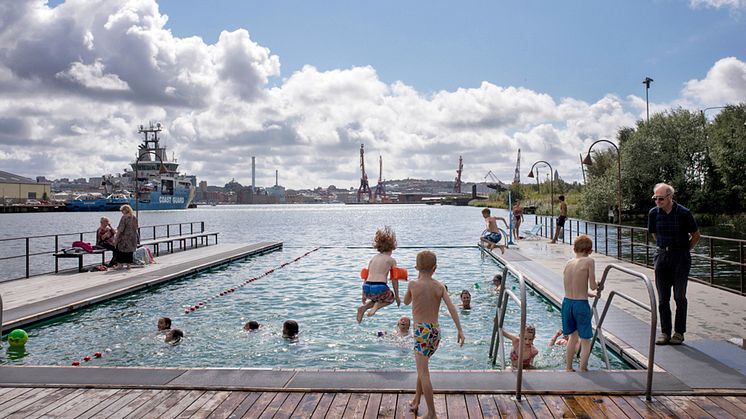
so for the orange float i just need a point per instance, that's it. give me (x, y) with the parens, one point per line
(396, 273)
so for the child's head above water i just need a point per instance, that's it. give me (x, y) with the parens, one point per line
(251, 325)
(583, 244)
(465, 299)
(402, 326)
(426, 261)
(174, 336)
(530, 332)
(497, 280)
(164, 323)
(290, 329)
(385, 240)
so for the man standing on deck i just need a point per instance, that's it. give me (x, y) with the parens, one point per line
(676, 233)
(560, 229)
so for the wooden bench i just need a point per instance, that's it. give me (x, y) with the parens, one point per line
(80, 255)
(195, 239)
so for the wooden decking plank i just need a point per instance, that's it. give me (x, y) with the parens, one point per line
(133, 404)
(680, 410)
(374, 404)
(647, 409)
(473, 407)
(182, 405)
(557, 406)
(338, 405)
(118, 400)
(55, 404)
(488, 406)
(610, 409)
(506, 405)
(538, 407)
(91, 399)
(441, 408)
(274, 406)
(289, 405)
(32, 397)
(738, 401)
(150, 404)
(356, 405)
(591, 405)
(62, 409)
(708, 406)
(575, 407)
(15, 394)
(229, 405)
(456, 406)
(194, 407)
(96, 410)
(625, 407)
(206, 409)
(245, 405)
(324, 404)
(42, 403)
(4, 390)
(307, 405)
(172, 399)
(388, 406)
(259, 405)
(729, 407)
(524, 408)
(403, 403)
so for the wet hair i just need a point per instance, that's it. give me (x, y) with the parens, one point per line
(251, 325)
(385, 240)
(531, 329)
(583, 244)
(126, 209)
(497, 279)
(290, 329)
(166, 322)
(426, 261)
(485, 212)
(174, 335)
(561, 197)
(465, 292)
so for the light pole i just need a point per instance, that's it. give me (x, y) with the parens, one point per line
(551, 189)
(647, 82)
(587, 160)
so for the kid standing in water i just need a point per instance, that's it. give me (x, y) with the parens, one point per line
(579, 275)
(376, 293)
(425, 295)
(529, 350)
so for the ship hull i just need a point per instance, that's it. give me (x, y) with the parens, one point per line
(152, 201)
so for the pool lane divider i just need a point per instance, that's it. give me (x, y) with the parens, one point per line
(231, 290)
(223, 293)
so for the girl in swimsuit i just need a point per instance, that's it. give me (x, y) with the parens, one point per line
(529, 350)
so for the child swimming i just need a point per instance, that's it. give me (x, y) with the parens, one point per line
(376, 293)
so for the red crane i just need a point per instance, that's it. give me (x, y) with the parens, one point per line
(457, 185)
(364, 187)
(380, 190)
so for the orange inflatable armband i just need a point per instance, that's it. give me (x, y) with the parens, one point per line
(364, 274)
(399, 274)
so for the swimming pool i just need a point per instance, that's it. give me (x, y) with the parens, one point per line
(321, 291)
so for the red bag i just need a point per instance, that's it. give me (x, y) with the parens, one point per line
(83, 245)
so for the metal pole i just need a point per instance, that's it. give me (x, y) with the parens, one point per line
(510, 212)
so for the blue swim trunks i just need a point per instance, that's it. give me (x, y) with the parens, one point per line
(493, 237)
(576, 315)
(378, 292)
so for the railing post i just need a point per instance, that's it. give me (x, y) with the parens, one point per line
(647, 248)
(606, 239)
(203, 227)
(28, 257)
(619, 242)
(180, 224)
(154, 233)
(740, 259)
(632, 245)
(191, 228)
(168, 230)
(712, 261)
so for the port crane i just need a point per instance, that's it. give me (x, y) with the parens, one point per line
(517, 175)
(494, 183)
(364, 187)
(457, 185)
(380, 190)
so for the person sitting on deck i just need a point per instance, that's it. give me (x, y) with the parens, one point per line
(105, 235)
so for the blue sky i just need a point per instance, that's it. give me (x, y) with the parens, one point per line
(301, 84)
(580, 49)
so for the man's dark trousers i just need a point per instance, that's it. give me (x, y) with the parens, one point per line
(672, 270)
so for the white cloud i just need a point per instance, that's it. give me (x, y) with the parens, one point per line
(718, 4)
(79, 78)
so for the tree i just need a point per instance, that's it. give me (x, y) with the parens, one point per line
(726, 139)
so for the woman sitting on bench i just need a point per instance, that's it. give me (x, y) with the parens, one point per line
(105, 237)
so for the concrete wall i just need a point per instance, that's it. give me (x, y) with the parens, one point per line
(22, 191)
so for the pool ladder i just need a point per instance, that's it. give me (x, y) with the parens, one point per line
(497, 344)
(652, 308)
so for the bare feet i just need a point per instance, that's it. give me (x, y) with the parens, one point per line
(570, 370)
(360, 311)
(413, 406)
(502, 249)
(373, 310)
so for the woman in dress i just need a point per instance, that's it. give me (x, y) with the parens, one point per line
(517, 219)
(105, 237)
(127, 237)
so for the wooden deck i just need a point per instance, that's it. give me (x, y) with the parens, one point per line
(37, 402)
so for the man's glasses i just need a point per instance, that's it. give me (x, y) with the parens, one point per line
(660, 198)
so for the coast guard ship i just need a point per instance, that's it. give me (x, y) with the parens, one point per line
(156, 183)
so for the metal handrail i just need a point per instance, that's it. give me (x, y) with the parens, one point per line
(652, 308)
(1, 314)
(497, 330)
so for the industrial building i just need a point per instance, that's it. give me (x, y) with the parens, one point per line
(15, 189)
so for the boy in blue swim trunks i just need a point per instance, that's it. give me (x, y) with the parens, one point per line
(425, 295)
(376, 292)
(579, 275)
(492, 236)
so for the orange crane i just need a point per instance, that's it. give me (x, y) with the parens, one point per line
(364, 187)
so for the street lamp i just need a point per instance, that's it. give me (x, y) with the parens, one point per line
(551, 189)
(587, 160)
(647, 82)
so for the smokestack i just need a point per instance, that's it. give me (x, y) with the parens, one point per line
(276, 177)
(253, 174)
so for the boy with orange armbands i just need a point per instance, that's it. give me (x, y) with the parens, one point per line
(376, 293)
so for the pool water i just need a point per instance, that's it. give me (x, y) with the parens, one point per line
(320, 291)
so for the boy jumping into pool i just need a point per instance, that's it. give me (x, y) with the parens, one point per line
(425, 295)
(376, 293)
(579, 275)
(491, 236)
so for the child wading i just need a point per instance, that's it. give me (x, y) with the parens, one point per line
(425, 295)
(376, 292)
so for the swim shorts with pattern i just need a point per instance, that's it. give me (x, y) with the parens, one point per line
(378, 292)
(426, 338)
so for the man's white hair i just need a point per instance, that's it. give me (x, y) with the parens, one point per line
(668, 187)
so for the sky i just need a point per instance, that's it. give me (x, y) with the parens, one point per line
(302, 84)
